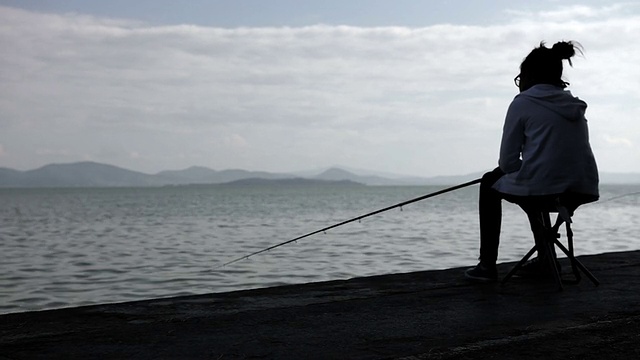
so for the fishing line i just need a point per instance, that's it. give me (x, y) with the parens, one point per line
(358, 218)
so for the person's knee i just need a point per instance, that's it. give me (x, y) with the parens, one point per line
(488, 179)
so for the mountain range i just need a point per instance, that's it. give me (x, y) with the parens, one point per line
(92, 174)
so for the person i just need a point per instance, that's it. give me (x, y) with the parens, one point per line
(544, 151)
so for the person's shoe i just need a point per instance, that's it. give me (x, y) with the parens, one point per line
(536, 269)
(482, 273)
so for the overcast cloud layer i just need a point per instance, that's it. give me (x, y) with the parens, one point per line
(419, 101)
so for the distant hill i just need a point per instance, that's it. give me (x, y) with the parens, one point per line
(9, 177)
(335, 174)
(92, 174)
(289, 182)
(203, 175)
(82, 174)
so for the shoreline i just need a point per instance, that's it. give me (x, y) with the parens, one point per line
(419, 315)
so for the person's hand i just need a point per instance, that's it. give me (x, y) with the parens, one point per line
(498, 171)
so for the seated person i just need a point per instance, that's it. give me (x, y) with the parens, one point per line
(544, 151)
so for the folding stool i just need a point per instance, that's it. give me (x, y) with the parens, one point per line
(546, 235)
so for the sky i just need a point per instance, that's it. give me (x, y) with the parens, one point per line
(405, 87)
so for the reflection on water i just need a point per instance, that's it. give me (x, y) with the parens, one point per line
(68, 247)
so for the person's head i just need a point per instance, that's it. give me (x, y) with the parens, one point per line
(544, 65)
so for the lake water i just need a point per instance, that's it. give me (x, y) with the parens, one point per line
(69, 247)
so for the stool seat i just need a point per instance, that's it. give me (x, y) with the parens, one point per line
(546, 235)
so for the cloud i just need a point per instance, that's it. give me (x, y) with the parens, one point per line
(575, 12)
(236, 141)
(135, 155)
(48, 152)
(425, 100)
(619, 141)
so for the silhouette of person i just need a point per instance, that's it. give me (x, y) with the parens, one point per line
(544, 151)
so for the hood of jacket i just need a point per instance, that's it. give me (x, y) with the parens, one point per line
(557, 100)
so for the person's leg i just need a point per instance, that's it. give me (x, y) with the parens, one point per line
(490, 209)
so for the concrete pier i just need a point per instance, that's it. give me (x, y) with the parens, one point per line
(420, 315)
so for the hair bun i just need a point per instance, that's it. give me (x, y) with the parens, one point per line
(564, 49)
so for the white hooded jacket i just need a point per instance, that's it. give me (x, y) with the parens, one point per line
(545, 145)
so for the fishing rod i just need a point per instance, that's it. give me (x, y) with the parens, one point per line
(460, 186)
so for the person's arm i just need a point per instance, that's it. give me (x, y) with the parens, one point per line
(512, 140)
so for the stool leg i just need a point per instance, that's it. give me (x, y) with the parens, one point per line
(571, 255)
(519, 264)
(550, 257)
(554, 268)
(548, 234)
(578, 264)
